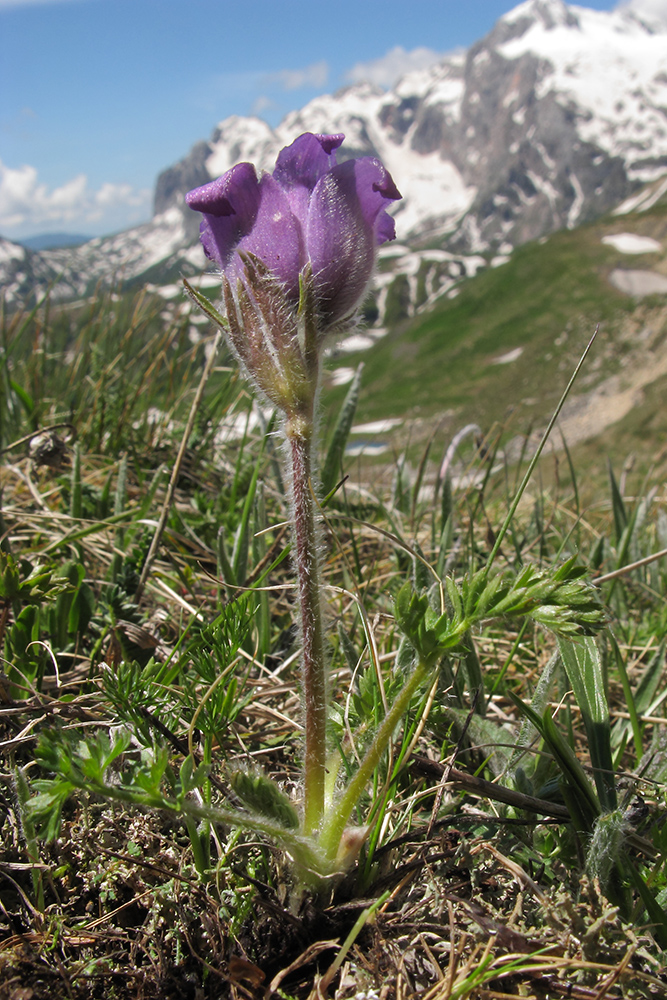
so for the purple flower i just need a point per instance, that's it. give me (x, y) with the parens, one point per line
(309, 211)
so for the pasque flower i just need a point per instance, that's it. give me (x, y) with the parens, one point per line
(297, 250)
(310, 211)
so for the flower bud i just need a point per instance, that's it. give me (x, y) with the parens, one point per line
(310, 211)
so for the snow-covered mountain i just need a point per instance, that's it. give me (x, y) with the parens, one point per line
(555, 117)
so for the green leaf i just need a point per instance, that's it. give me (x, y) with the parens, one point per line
(656, 913)
(581, 660)
(538, 705)
(45, 808)
(617, 505)
(25, 397)
(575, 787)
(261, 795)
(206, 307)
(430, 635)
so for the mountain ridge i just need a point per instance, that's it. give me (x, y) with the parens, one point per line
(555, 117)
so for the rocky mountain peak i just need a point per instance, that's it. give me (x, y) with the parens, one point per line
(549, 14)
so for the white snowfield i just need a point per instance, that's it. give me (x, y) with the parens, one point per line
(589, 57)
(631, 243)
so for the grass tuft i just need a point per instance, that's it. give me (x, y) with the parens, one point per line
(512, 841)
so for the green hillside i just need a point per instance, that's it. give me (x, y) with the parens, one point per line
(542, 306)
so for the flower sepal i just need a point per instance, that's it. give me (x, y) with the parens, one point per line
(206, 306)
(264, 333)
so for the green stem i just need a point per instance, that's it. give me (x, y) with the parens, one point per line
(304, 852)
(299, 430)
(337, 819)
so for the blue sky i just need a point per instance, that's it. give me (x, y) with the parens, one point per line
(98, 96)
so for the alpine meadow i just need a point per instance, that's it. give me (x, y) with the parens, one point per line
(333, 549)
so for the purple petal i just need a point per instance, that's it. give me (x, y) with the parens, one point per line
(330, 142)
(306, 160)
(385, 229)
(346, 221)
(229, 206)
(300, 166)
(376, 190)
(277, 236)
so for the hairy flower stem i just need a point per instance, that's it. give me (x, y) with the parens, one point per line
(299, 431)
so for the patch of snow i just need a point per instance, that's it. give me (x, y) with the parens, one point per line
(472, 265)
(250, 139)
(638, 283)
(411, 262)
(506, 359)
(208, 281)
(168, 292)
(236, 425)
(545, 186)
(355, 342)
(546, 159)
(437, 256)
(194, 255)
(347, 111)
(377, 426)
(341, 376)
(11, 251)
(432, 187)
(631, 243)
(388, 250)
(643, 201)
(366, 448)
(577, 204)
(359, 341)
(439, 86)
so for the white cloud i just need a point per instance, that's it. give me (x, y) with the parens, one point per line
(29, 205)
(263, 103)
(262, 91)
(653, 10)
(385, 71)
(315, 75)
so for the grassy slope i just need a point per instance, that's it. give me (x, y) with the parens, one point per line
(117, 907)
(547, 300)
